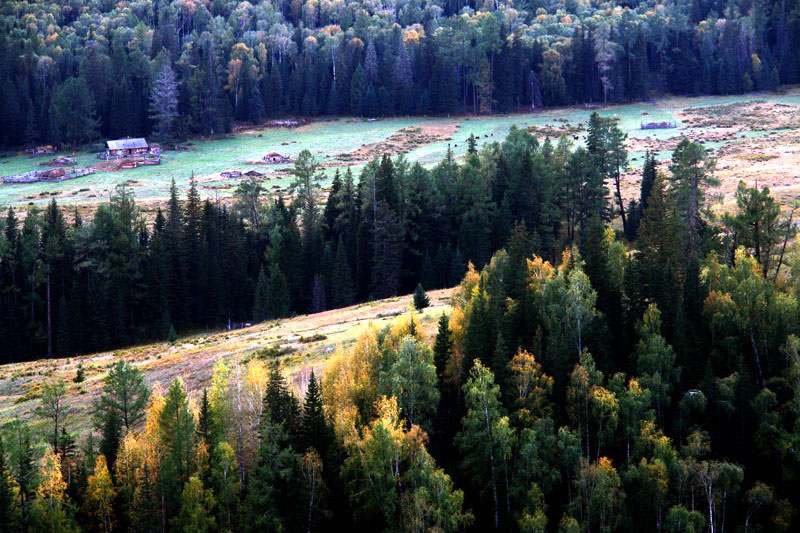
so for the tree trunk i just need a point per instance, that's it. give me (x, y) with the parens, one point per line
(785, 240)
(49, 319)
(311, 501)
(617, 179)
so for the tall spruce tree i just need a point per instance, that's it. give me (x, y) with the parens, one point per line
(659, 261)
(692, 173)
(314, 430)
(73, 111)
(280, 404)
(343, 293)
(164, 101)
(205, 423)
(261, 301)
(111, 435)
(443, 346)
(278, 294)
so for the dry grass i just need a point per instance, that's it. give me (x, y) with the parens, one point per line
(297, 344)
(400, 142)
(757, 142)
(759, 115)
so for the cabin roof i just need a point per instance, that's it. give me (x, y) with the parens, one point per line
(126, 144)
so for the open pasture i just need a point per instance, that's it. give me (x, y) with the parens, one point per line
(297, 344)
(730, 126)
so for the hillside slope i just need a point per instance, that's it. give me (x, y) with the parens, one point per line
(299, 344)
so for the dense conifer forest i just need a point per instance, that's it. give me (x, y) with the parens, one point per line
(79, 70)
(72, 286)
(606, 363)
(591, 376)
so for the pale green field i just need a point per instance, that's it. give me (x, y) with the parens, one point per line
(206, 159)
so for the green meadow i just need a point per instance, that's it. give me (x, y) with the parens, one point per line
(326, 139)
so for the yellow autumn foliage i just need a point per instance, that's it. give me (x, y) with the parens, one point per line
(51, 483)
(349, 384)
(100, 495)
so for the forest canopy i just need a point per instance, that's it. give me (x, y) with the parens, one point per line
(578, 395)
(607, 362)
(587, 378)
(213, 62)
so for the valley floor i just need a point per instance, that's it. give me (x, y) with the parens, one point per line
(754, 137)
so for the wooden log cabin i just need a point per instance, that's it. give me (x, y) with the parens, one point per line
(126, 147)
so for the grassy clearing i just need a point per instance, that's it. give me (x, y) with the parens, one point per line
(298, 344)
(718, 122)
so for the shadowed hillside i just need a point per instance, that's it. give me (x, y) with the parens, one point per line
(299, 344)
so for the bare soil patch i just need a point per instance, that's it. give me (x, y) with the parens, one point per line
(643, 144)
(563, 127)
(400, 142)
(772, 160)
(759, 115)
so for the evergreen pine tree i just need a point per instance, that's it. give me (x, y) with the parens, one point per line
(176, 432)
(278, 296)
(385, 185)
(111, 434)
(358, 87)
(427, 273)
(342, 290)
(520, 248)
(174, 267)
(458, 267)
(659, 262)
(500, 359)
(472, 144)
(648, 177)
(272, 489)
(79, 375)
(441, 267)
(692, 173)
(146, 506)
(314, 431)
(166, 329)
(63, 335)
(205, 429)
(443, 346)
(421, 300)
(478, 340)
(331, 212)
(280, 404)
(318, 300)
(261, 302)
(73, 111)
(387, 248)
